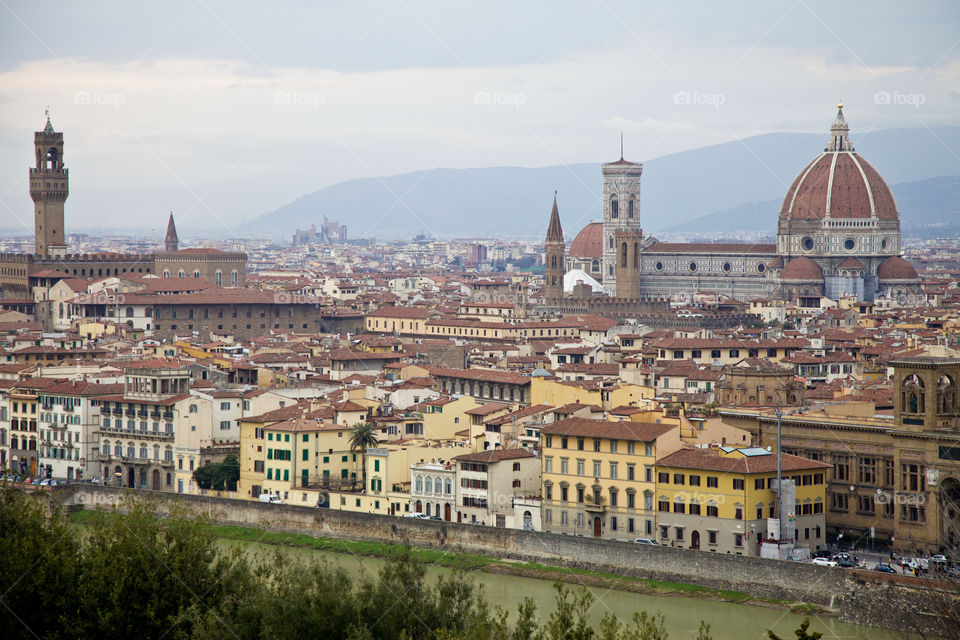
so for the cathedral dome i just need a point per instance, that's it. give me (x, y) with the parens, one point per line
(839, 184)
(802, 269)
(896, 268)
(589, 242)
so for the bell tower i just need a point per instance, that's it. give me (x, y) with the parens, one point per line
(553, 256)
(49, 189)
(621, 212)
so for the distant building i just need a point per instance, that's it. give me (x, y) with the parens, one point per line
(21, 272)
(838, 234)
(330, 232)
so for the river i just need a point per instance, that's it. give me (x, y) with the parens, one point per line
(681, 615)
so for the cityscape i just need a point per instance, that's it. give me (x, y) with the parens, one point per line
(705, 385)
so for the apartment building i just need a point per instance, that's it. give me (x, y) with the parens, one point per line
(598, 476)
(719, 499)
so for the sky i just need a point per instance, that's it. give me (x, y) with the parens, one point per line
(223, 111)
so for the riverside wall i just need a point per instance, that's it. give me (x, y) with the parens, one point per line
(861, 597)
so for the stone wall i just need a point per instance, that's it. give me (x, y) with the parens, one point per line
(861, 597)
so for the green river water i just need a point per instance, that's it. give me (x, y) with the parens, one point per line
(682, 615)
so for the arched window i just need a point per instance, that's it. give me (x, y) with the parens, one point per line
(181, 273)
(129, 312)
(595, 266)
(946, 395)
(614, 207)
(218, 278)
(429, 484)
(419, 484)
(143, 451)
(448, 487)
(623, 254)
(166, 273)
(912, 395)
(438, 487)
(636, 254)
(233, 278)
(610, 242)
(553, 262)
(630, 208)
(196, 273)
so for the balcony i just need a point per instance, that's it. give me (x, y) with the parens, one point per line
(594, 506)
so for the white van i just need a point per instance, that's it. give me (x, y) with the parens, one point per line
(272, 499)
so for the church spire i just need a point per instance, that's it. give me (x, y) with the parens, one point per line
(554, 230)
(171, 242)
(839, 133)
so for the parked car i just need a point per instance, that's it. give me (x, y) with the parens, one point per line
(822, 553)
(435, 518)
(884, 568)
(95, 480)
(647, 541)
(939, 559)
(45, 482)
(846, 563)
(418, 515)
(271, 499)
(824, 562)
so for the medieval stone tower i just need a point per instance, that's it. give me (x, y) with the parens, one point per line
(621, 212)
(553, 258)
(49, 189)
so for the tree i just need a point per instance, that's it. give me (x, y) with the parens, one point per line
(222, 476)
(801, 633)
(362, 438)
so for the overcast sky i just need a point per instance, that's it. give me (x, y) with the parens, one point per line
(227, 110)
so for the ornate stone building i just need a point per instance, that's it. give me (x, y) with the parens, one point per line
(838, 234)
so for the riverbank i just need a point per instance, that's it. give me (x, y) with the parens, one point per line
(494, 565)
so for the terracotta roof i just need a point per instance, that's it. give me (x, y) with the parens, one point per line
(803, 269)
(496, 455)
(839, 184)
(639, 431)
(480, 375)
(706, 247)
(712, 461)
(588, 243)
(896, 268)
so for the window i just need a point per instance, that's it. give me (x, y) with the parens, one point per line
(631, 472)
(679, 532)
(663, 505)
(738, 539)
(758, 484)
(678, 478)
(912, 477)
(613, 470)
(738, 513)
(663, 477)
(694, 480)
(713, 511)
(548, 465)
(580, 467)
(738, 484)
(712, 482)
(712, 537)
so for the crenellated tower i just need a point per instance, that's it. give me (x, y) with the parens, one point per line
(49, 187)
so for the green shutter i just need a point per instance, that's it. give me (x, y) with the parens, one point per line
(286, 475)
(270, 474)
(306, 455)
(269, 454)
(376, 465)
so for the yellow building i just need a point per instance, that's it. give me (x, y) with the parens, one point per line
(719, 499)
(558, 394)
(598, 477)
(443, 417)
(284, 453)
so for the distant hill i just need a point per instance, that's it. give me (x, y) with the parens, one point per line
(739, 177)
(928, 208)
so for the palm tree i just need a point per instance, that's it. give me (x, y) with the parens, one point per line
(362, 438)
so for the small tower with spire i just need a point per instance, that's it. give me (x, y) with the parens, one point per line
(839, 133)
(49, 187)
(554, 256)
(171, 242)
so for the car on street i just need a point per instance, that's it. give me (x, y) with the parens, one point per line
(824, 562)
(417, 515)
(939, 559)
(45, 482)
(647, 541)
(846, 563)
(884, 568)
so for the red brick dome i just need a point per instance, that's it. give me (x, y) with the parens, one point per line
(896, 268)
(802, 269)
(589, 242)
(839, 184)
